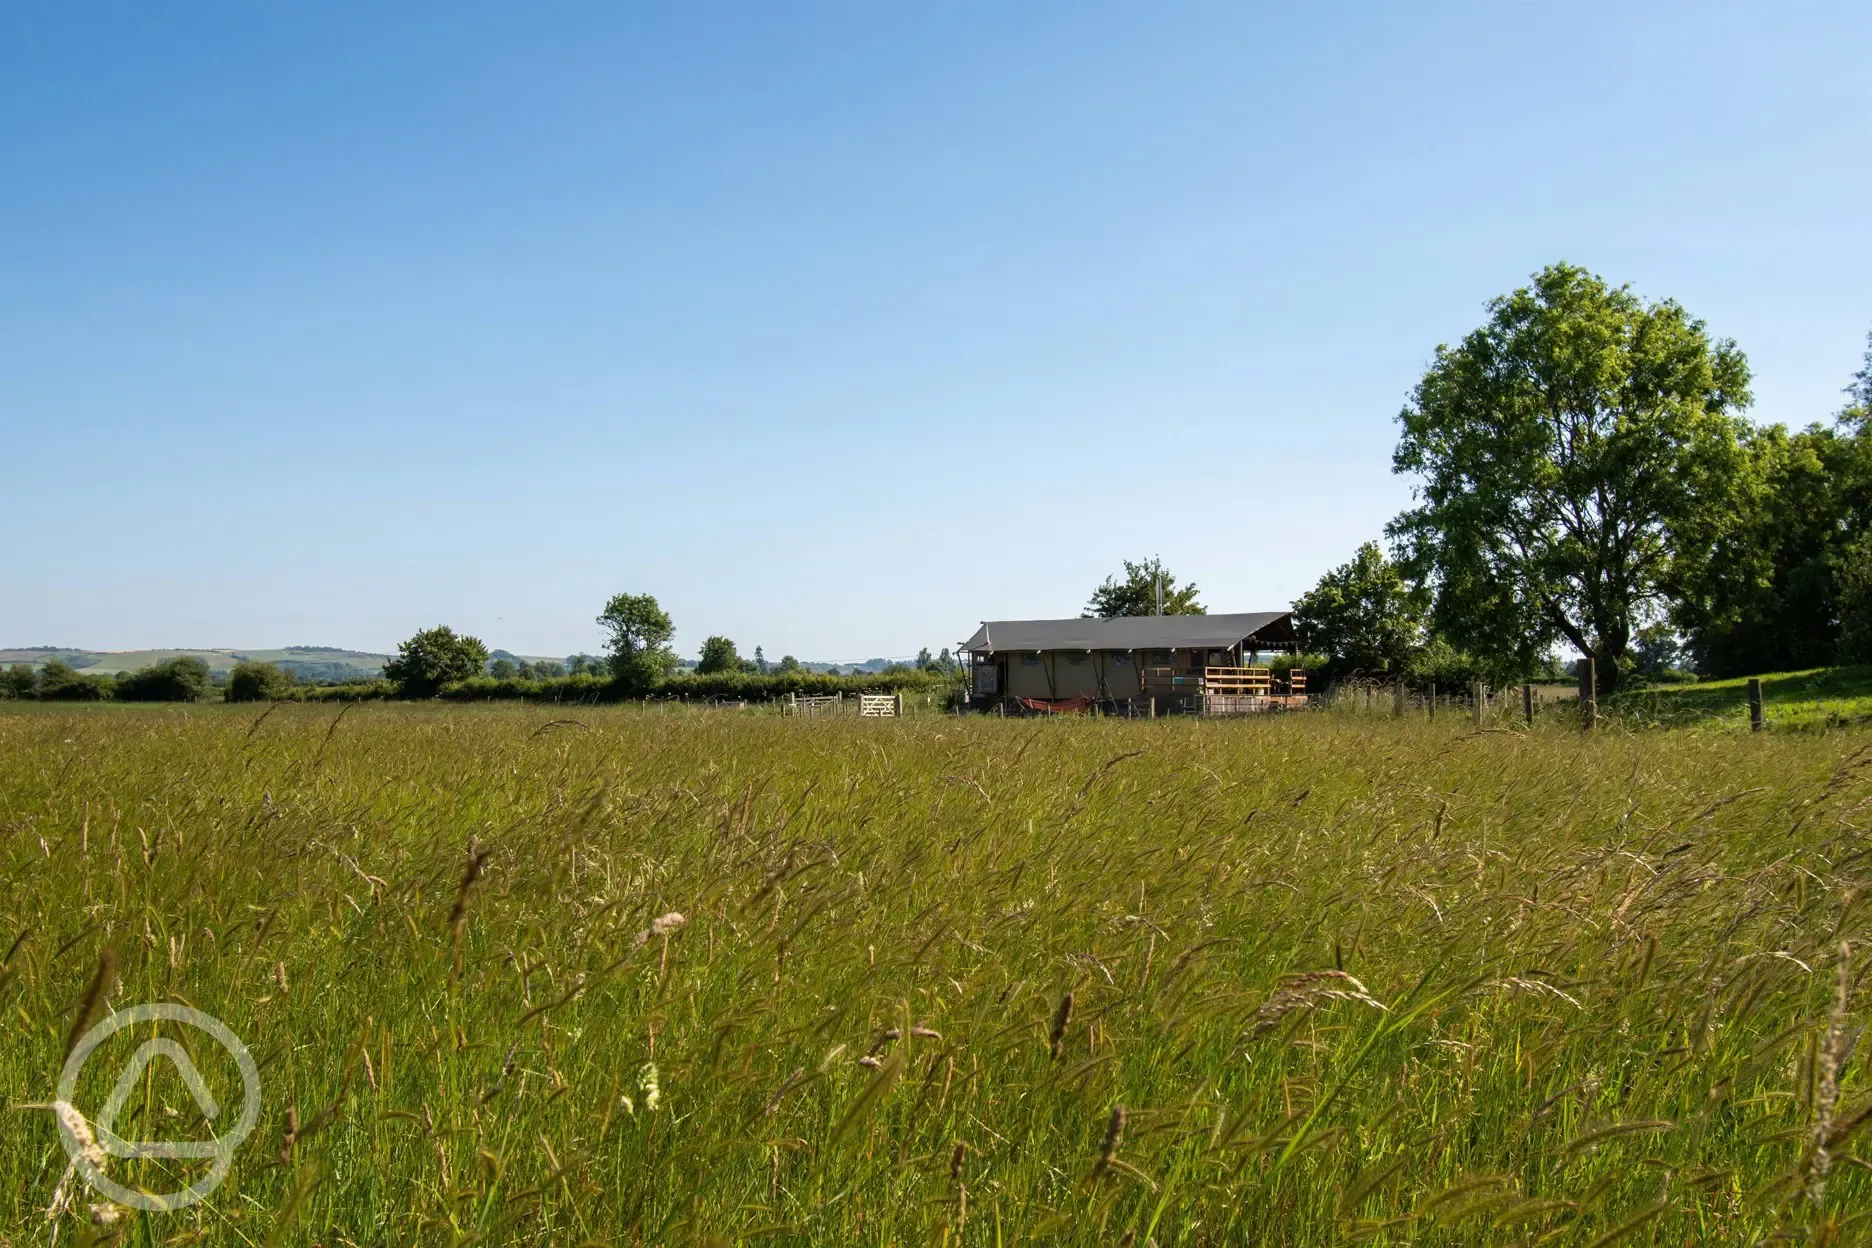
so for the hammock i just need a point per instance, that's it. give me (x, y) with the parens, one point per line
(1058, 706)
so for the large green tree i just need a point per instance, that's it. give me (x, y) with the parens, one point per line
(1566, 453)
(1784, 585)
(1768, 594)
(1363, 613)
(1136, 594)
(638, 642)
(718, 655)
(432, 658)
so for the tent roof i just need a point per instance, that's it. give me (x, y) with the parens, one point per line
(1135, 632)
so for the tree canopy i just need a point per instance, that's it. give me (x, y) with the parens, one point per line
(258, 682)
(1363, 613)
(432, 658)
(718, 655)
(1566, 453)
(1136, 594)
(181, 679)
(638, 645)
(1771, 590)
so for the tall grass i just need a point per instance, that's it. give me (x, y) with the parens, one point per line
(518, 976)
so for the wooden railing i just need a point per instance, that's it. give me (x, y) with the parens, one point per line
(1238, 682)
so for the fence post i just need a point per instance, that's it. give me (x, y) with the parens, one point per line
(1527, 703)
(1397, 699)
(1588, 691)
(1755, 704)
(1478, 699)
(897, 710)
(1153, 706)
(1432, 700)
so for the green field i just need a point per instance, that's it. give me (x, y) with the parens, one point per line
(1301, 980)
(1823, 697)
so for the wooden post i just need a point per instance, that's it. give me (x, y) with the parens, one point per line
(1153, 706)
(1755, 704)
(1527, 703)
(1588, 691)
(897, 710)
(1397, 699)
(1478, 700)
(1433, 700)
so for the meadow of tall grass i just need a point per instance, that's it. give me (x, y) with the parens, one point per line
(514, 975)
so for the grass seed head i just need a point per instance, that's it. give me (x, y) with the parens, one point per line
(80, 1131)
(1062, 1018)
(1114, 1137)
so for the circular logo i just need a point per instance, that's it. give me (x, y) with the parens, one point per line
(221, 1148)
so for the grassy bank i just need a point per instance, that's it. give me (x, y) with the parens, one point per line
(1817, 698)
(1306, 980)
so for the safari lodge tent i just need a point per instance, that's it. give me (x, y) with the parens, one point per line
(1134, 664)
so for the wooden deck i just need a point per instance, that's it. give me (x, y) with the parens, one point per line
(1251, 690)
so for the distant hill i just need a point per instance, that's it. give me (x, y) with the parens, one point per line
(313, 664)
(310, 663)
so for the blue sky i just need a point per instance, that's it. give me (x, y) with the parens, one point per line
(837, 327)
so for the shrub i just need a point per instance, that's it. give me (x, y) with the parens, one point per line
(58, 682)
(349, 691)
(259, 682)
(587, 688)
(182, 679)
(754, 687)
(18, 681)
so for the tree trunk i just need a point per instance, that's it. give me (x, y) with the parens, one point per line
(1608, 667)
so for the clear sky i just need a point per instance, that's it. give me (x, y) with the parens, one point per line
(839, 328)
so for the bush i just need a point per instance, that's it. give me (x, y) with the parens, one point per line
(349, 691)
(726, 686)
(259, 682)
(58, 682)
(178, 680)
(755, 687)
(586, 688)
(18, 681)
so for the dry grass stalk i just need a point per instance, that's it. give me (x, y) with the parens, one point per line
(663, 926)
(101, 982)
(1832, 1056)
(458, 913)
(1305, 991)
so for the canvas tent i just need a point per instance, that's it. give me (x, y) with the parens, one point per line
(1117, 659)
